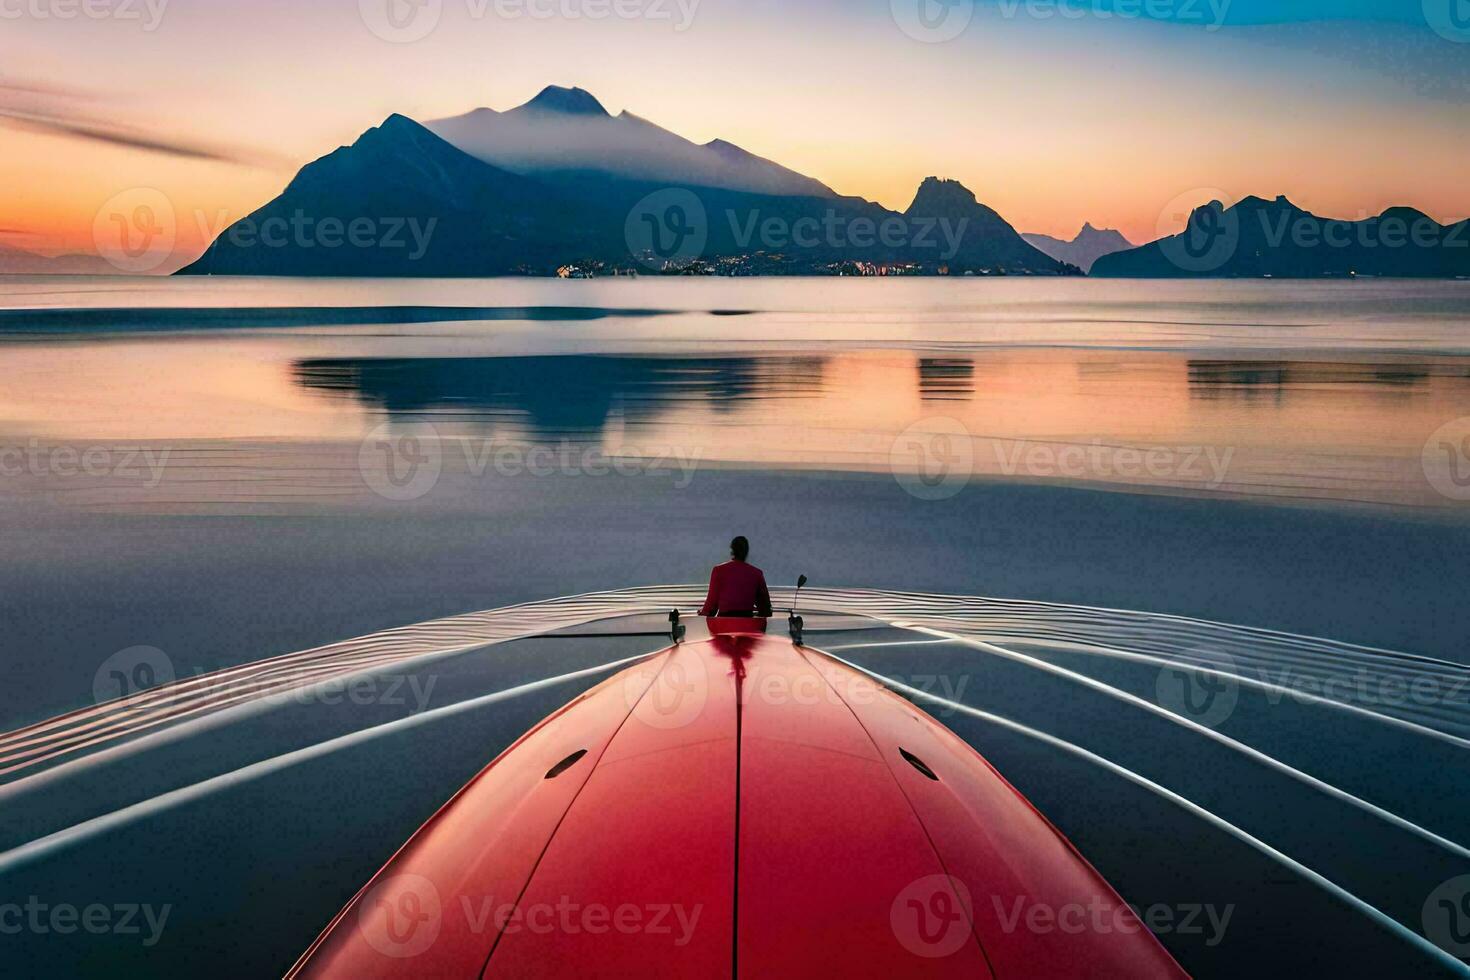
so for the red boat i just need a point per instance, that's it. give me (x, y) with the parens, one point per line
(740, 806)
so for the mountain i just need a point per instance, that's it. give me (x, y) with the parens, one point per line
(18, 262)
(987, 239)
(567, 131)
(558, 186)
(1277, 239)
(1090, 245)
(419, 207)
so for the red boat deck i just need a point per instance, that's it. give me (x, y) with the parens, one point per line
(738, 806)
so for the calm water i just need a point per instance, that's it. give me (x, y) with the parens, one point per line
(920, 436)
(262, 391)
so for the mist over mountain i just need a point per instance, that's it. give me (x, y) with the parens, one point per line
(1083, 251)
(1277, 239)
(559, 186)
(568, 132)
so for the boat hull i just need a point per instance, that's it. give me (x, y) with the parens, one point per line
(745, 807)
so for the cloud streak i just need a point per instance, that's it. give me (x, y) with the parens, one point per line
(62, 112)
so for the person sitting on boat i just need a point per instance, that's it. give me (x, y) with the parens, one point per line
(737, 589)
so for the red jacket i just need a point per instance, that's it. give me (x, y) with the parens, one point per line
(737, 588)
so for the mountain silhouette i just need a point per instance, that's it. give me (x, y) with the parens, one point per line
(1261, 238)
(987, 238)
(1083, 251)
(422, 207)
(559, 184)
(20, 262)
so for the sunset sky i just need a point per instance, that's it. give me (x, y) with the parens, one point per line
(1102, 115)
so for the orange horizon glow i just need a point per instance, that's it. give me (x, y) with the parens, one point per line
(1052, 125)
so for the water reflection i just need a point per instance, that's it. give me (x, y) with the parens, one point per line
(573, 395)
(1252, 379)
(946, 379)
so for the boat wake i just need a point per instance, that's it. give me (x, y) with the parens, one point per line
(1339, 675)
(1059, 641)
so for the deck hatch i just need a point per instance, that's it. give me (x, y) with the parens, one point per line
(566, 764)
(918, 764)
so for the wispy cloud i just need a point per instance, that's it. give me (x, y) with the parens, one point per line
(72, 113)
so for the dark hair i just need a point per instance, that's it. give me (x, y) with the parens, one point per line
(740, 548)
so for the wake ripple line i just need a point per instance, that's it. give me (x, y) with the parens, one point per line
(45, 846)
(1160, 635)
(1372, 912)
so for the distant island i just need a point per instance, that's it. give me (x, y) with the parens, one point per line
(560, 187)
(1083, 251)
(1276, 239)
